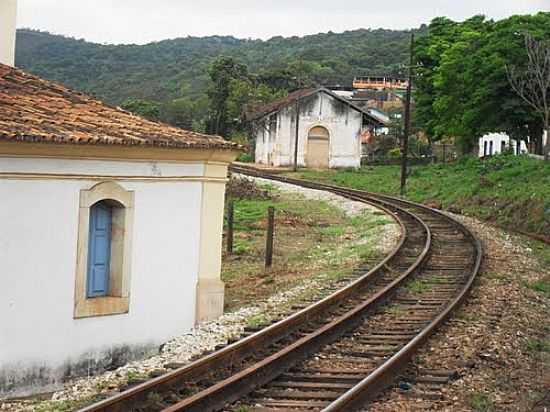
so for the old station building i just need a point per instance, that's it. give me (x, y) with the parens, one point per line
(111, 232)
(328, 130)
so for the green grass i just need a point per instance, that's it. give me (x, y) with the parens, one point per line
(538, 345)
(512, 191)
(248, 214)
(480, 402)
(312, 239)
(541, 252)
(541, 286)
(257, 320)
(134, 377)
(418, 286)
(469, 317)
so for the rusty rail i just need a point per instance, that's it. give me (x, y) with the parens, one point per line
(266, 369)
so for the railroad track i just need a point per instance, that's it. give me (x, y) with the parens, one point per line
(340, 352)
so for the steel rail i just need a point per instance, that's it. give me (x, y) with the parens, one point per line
(383, 375)
(266, 370)
(223, 357)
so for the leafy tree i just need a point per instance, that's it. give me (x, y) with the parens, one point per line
(462, 87)
(144, 108)
(223, 72)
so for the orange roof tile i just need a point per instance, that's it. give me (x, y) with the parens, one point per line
(36, 110)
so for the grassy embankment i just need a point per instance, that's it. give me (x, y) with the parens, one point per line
(313, 239)
(512, 192)
(508, 191)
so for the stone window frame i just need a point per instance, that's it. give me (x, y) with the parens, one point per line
(118, 299)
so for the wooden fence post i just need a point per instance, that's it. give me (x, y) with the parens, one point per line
(230, 227)
(269, 237)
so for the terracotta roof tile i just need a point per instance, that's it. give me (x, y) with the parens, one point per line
(36, 110)
(261, 111)
(274, 106)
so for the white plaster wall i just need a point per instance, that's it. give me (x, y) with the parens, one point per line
(344, 128)
(8, 11)
(260, 155)
(100, 167)
(497, 139)
(38, 244)
(265, 142)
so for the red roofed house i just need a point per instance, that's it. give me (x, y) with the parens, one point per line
(110, 240)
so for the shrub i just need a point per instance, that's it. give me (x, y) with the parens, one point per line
(245, 158)
(395, 152)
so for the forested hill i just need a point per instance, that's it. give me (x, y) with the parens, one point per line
(160, 71)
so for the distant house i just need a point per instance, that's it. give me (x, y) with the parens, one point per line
(495, 143)
(111, 231)
(329, 130)
(379, 83)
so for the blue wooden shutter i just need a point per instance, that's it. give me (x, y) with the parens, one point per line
(99, 250)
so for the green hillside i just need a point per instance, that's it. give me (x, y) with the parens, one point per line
(158, 71)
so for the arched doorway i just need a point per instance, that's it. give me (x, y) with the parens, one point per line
(318, 148)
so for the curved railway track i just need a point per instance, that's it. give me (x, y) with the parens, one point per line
(340, 352)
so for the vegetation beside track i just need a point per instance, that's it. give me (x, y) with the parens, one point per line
(312, 238)
(512, 192)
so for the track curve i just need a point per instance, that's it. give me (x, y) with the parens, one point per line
(435, 252)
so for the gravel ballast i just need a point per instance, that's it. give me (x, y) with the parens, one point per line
(494, 341)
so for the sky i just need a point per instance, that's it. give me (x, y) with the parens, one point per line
(143, 21)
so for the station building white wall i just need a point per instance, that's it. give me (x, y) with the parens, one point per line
(40, 341)
(275, 142)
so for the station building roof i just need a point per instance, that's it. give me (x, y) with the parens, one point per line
(269, 108)
(40, 111)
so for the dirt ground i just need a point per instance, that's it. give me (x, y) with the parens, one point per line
(498, 342)
(311, 237)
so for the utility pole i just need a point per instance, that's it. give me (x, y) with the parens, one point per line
(297, 134)
(405, 145)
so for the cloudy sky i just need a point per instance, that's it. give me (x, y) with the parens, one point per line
(142, 21)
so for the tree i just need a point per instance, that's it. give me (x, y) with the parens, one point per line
(532, 84)
(462, 90)
(144, 108)
(223, 71)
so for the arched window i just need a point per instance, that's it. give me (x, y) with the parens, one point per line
(104, 250)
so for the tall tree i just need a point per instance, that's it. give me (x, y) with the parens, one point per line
(223, 71)
(532, 84)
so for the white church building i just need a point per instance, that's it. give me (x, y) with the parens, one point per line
(328, 130)
(111, 230)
